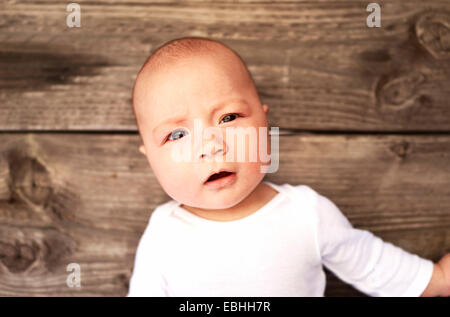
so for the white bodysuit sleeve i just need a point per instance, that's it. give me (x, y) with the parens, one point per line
(147, 279)
(371, 265)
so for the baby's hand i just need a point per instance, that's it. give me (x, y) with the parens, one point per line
(444, 263)
(439, 284)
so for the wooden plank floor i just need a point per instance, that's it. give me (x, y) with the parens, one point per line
(316, 64)
(86, 198)
(368, 109)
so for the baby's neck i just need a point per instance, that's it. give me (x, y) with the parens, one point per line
(262, 194)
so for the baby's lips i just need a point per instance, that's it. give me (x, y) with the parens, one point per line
(217, 172)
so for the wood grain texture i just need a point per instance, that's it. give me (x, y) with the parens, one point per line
(316, 63)
(86, 198)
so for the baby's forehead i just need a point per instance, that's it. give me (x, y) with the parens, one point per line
(157, 82)
(208, 62)
(198, 73)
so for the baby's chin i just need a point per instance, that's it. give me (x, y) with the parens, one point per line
(216, 201)
(222, 203)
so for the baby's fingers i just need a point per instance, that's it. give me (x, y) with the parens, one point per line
(444, 263)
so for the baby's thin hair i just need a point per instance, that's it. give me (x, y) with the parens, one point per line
(177, 49)
(183, 47)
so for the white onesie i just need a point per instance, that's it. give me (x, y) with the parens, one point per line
(278, 250)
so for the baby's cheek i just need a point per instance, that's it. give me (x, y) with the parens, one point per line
(182, 183)
(258, 151)
(172, 177)
(163, 167)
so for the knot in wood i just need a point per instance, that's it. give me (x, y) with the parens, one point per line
(433, 33)
(400, 149)
(17, 257)
(30, 179)
(399, 91)
(44, 249)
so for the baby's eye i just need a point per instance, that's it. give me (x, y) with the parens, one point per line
(173, 135)
(233, 116)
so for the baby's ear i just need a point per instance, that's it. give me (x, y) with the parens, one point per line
(142, 149)
(266, 108)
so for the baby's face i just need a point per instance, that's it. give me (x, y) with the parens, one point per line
(189, 90)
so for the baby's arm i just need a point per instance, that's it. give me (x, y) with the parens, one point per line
(440, 281)
(373, 266)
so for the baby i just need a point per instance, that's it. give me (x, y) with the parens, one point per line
(226, 231)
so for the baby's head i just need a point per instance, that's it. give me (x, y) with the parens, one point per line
(184, 81)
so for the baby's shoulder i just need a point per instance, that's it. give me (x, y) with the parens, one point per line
(320, 205)
(298, 191)
(161, 212)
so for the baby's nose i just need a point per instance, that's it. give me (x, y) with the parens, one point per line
(203, 155)
(213, 148)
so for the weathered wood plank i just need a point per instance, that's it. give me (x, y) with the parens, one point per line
(316, 64)
(86, 198)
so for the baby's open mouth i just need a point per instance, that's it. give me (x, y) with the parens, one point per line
(220, 179)
(215, 176)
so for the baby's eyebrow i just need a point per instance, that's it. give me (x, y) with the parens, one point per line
(175, 120)
(181, 119)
